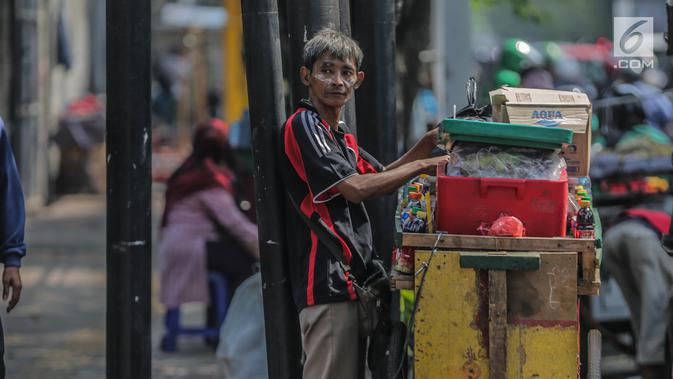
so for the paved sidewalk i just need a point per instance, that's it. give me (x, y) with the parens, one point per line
(58, 328)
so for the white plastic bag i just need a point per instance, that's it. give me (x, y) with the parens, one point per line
(241, 353)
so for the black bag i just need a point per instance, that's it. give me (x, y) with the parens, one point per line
(371, 297)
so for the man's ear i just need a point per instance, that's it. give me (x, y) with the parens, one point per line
(361, 77)
(304, 75)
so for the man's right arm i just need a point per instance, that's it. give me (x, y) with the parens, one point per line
(12, 246)
(12, 220)
(357, 188)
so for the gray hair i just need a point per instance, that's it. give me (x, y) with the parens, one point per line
(331, 42)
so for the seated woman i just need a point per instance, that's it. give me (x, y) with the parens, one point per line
(202, 209)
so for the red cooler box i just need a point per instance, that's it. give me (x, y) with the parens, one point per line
(463, 204)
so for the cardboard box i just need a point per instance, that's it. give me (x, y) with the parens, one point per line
(554, 109)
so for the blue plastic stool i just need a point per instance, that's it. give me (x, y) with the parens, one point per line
(219, 299)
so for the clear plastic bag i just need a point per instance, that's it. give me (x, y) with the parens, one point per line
(477, 160)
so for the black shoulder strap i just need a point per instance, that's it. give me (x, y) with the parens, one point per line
(318, 226)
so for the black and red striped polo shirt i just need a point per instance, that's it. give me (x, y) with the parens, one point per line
(314, 158)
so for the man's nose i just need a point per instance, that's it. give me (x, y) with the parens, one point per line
(338, 79)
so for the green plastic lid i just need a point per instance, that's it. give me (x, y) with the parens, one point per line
(496, 133)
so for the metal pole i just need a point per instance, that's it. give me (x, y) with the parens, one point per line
(345, 21)
(304, 19)
(6, 34)
(297, 26)
(374, 27)
(667, 239)
(128, 136)
(267, 114)
(25, 108)
(669, 27)
(452, 69)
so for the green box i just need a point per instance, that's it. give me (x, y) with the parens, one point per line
(496, 133)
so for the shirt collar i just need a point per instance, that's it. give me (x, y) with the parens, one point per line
(306, 103)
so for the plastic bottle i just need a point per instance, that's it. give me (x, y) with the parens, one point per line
(585, 221)
(573, 207)
(585, 182)
(428, 210)
(407, 222)
(404, 260)
(414, 200)
(414, 224)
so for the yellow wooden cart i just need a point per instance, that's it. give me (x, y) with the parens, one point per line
(494, 307)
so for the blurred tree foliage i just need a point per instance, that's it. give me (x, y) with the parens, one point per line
(524, 9)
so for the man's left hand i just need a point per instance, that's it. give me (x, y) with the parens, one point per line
(11, 279)
(434, 138)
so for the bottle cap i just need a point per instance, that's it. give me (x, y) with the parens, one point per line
(587, 198)
(421, 214)
(411, 189)
(415, 210)
(584, 204)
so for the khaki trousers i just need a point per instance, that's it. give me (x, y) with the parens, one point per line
(633, 254)
(332, 343)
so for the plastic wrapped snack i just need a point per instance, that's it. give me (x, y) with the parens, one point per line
(477, 160)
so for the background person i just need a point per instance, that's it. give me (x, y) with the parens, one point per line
(202, 209)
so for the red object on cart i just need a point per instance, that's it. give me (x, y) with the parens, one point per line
(506, 226)
(463, 204)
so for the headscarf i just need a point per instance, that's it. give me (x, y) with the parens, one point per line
(201, 170)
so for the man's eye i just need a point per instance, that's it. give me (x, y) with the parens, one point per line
(326, 70)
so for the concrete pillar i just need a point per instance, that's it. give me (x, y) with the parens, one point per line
(452, 42)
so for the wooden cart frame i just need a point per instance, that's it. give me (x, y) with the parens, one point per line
(496, 256)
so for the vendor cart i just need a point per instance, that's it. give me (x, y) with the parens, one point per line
(499, 307)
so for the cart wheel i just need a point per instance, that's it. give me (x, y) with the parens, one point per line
(594, 361)
(396, 353)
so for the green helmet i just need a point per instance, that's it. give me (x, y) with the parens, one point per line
(518, 55)
(507, 78)
(552, 52)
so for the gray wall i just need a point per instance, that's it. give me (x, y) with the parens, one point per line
(4, 58)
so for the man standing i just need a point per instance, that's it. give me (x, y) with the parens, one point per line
(327, 176)
(12, 220)
(633, 254)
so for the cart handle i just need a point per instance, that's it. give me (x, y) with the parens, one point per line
(518, 185)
